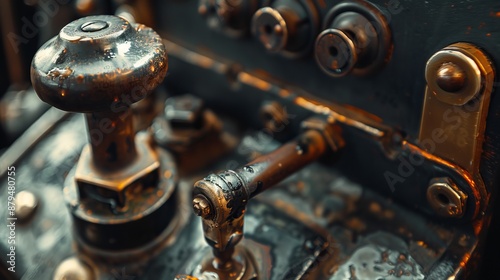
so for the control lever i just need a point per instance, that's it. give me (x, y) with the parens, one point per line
(220, 199)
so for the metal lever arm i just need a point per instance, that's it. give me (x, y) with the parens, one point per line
(220, 199)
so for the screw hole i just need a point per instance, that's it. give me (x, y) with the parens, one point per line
(333, 51)
(268, 29)
(267, 116)
(443, 199)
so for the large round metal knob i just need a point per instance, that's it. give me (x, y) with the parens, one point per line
(78, 70)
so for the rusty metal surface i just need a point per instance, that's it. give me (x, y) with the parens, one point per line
(385, 207)
(139, 212)
(221, 199)
(314, 203)
(76, 70)
(401, 163)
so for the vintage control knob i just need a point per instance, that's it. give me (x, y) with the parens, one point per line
(356, 40)
(100, 65)
(287, 26)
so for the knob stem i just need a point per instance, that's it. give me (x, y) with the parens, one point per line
(112, 139)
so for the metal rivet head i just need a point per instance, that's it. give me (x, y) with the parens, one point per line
(94, 26)
(451, 77)
(26, 204)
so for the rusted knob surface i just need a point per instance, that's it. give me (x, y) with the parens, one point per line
(99, 63)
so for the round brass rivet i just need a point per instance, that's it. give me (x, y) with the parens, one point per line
(451, 77)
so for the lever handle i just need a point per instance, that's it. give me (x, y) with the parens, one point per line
(220, 199)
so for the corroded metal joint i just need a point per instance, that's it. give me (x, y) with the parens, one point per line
(328, 129)
(226, 193)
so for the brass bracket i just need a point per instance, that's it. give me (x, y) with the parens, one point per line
(456, 104)
(457, 97)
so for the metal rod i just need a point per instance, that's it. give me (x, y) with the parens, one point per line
(267, 170)
(112, 139)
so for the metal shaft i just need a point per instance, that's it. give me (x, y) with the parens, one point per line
(112, 139)
(266, 171)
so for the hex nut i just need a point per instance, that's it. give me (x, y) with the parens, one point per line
(201, 206)
(446, 198)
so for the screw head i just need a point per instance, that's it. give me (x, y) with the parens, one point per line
(184, 111)
(451, 77)
(446, 198)
(93, 26)
(201, 206)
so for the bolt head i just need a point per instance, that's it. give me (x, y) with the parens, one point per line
(201, 206)
(184, 111)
